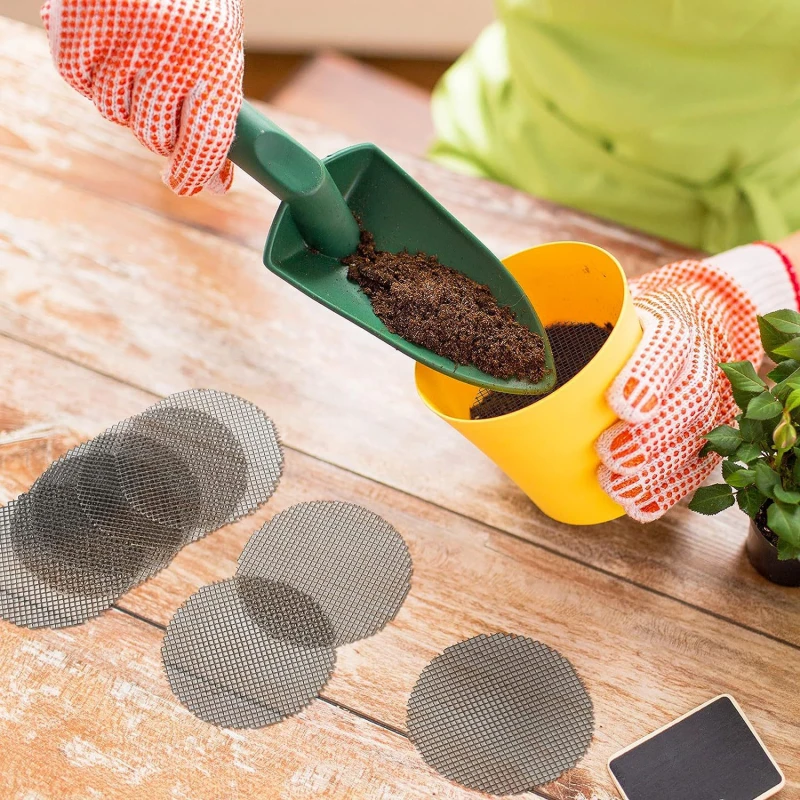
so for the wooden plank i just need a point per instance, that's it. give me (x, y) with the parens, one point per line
(645, 658)
(87, 713)
(266, 73)
(164, 307)
(421, 72)
(360, 101)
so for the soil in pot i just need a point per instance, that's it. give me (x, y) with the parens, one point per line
(443, 310)
(762, 551)
(574, 346)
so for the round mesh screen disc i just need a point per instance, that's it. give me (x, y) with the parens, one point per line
(284, 613)
(212, 454)
(26, 599)
(350, 561)
(254, 431)
(239, 669)
(502, 714)
(92, 545)
(143, 473)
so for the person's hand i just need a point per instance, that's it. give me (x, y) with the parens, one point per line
(672, 391)
(171, 70)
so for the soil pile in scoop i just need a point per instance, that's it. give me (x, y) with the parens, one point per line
(573, 345)
(443, 310)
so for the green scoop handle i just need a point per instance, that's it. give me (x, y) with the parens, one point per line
(296, 176)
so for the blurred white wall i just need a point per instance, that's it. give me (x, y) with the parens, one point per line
(423, 28)
(23, 10)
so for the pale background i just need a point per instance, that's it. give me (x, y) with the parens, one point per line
(417, 28)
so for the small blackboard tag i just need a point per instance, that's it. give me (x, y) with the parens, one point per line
(711, 753)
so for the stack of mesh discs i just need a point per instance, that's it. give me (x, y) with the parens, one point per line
(115, 510)
(258, 647)
(501, 714)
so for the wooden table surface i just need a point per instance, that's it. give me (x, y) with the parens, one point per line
(114, 293)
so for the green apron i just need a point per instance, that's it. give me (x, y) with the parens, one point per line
(677, 117)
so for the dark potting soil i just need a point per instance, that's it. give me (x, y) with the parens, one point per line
(763, 528)
(443, 310)
(573, 345)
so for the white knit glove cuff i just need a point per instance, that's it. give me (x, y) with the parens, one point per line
(764, 272)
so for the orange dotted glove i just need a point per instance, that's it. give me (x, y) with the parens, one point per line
(672, 392)
(170, 70)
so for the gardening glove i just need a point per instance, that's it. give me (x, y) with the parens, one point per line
(170, 70)
(694, 316)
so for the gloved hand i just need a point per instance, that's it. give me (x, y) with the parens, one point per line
(171, 70)
(672, 392)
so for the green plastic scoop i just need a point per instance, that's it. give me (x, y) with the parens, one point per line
(314, 227)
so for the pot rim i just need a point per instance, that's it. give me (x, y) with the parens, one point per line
(550, 398)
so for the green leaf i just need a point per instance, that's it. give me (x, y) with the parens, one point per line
(784, 370)
(723, 440)
(796, 467)
(764, 406)
(787, 385)
(766, 478)
(789, 350)
(786, 551)
(785, 319)
(743, 377)
(784, 520)
(793, 400)
(754, 431)
(712, 499)
(748, 452)
(786, 496)
(742, 399)
(776, 329)
(741, 478)
(750, 500)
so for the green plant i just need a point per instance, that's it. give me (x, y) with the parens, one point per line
(761, 456)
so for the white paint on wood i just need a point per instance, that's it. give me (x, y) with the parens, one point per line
(128, 692)
(43, 654)
(81, 753)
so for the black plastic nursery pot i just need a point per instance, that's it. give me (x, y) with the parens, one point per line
(763, 554)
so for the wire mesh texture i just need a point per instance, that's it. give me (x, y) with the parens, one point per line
(502, 714)
(124, 469)
(252, 429)
(213, 456)
(235, 653)
(574, 345)
(85, 539)
(116, 509)
(347, 559)
(28, 600)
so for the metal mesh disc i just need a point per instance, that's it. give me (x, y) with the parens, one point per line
(240, 666)
(26, 599)
(89, 544)
(502, 714)
(347, 559)
(574, 345)
(126, 468)
(284, 613)
(254, 431)
(213, 455)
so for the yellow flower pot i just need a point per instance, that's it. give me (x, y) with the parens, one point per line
(547, 449)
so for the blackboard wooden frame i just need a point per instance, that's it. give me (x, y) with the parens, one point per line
(768, 793)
